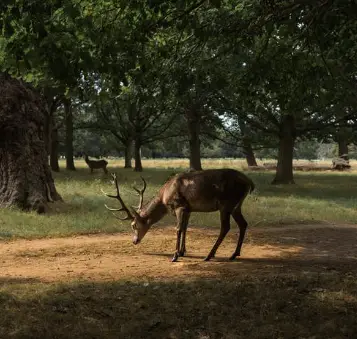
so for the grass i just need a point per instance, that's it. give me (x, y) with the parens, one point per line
(316, 197)
(262, 298)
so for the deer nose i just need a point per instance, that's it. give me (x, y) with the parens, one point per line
(136, 240)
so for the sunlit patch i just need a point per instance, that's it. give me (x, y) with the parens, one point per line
(335, 297)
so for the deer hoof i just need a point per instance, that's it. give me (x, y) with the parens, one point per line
(208, 258)
(233, 257)
(174, 259)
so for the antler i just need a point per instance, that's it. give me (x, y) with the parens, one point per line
(141, 194)
(118, 197)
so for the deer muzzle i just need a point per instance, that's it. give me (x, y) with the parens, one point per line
(136, 240)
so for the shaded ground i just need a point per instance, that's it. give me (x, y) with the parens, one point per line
(113, 257)
(291, 282)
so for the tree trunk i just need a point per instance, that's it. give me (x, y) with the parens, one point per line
(247, 146)
(54, 150)
(249, 154)
(25, 176)
(69, 135)
(284, 170)
(193, 121)
(52, 105)
(128, 154)
(137, 156)
(343, 148)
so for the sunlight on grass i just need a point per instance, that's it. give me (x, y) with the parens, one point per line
(316, 197)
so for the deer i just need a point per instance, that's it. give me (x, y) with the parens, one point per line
(222, 190)
(96, 164)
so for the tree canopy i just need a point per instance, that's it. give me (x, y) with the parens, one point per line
(255, 74)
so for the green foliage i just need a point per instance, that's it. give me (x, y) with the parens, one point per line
(306, 150)
(137, 70)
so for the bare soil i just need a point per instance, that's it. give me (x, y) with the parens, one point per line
(282, 250)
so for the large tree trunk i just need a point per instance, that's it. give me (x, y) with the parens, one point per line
(343, 148)
(25, 176)
(137, 156)
(193, 121)
(54, 150)
(284, 170)
(69, 135)
(52, 105)
(249, 154)
(128, 154)
(247, 146)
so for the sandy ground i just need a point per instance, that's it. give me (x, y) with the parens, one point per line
(305, 248)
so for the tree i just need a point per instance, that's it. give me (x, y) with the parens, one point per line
(25, 180)
(55, 44)
(34, 49)
(136, 114)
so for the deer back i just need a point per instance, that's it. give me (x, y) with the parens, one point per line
(207, 190)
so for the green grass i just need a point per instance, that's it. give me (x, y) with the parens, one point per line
(316, 197)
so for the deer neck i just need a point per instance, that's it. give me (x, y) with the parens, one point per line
(154, 211)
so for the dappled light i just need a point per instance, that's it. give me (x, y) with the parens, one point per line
(237, 118)
(108, 257)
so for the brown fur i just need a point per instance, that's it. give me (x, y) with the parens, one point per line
(221, 190)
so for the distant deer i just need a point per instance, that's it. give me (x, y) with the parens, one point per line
(96, 164)
(222, 190)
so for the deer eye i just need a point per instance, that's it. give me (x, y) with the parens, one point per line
(133, 226)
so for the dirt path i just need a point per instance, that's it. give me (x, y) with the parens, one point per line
(113, 257)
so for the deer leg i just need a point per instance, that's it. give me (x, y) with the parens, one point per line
(182, 220)
(225, 227)
(186, 217)
(178, 240)
(242, 224)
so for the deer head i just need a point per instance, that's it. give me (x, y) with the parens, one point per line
(140, 225)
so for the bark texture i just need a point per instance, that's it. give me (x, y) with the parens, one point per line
(137, 156)
(25, 176)
(247, 145)
(249, 154)
(284, 170)
(343, 148)
(128, 154)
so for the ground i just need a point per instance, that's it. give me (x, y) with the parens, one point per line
(74, 272)
(114, 257)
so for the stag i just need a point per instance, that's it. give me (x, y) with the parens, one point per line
(96, 164)
(222, 190)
